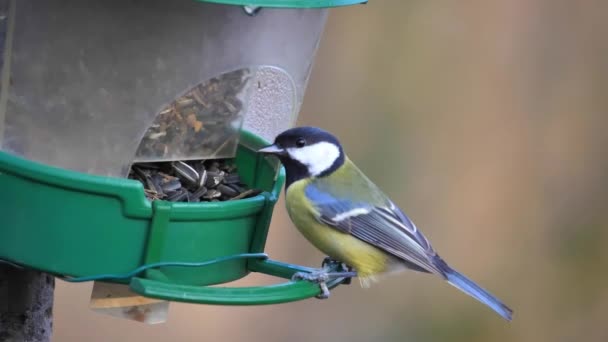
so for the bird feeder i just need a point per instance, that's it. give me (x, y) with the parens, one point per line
(90, 87)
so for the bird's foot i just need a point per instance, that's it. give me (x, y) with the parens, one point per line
(316, 277)
(343, 270)
(319, 277)
(322, 276)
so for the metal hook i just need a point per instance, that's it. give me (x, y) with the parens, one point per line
(251, 10)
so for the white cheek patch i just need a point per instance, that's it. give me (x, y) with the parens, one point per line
(317, 157)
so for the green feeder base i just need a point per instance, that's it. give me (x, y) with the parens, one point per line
(86, 227)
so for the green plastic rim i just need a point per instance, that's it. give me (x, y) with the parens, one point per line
(289, 3)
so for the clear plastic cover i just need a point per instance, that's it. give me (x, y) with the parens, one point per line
(273, 103)
(94, 85)
(203, 123)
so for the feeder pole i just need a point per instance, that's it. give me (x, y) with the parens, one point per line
(26, 305)
(26, 296)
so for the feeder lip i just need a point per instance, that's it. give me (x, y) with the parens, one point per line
(289, 3)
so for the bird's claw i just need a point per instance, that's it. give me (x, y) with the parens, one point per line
(328, 262)
(322, 276)
(324, 291)
(313, 277)
(319, 277)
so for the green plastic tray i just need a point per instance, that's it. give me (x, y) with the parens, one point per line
(78, 225)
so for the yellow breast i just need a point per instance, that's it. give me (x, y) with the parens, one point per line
(365, 258)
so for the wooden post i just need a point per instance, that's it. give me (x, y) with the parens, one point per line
(26, 305)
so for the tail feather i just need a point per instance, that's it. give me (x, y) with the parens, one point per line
(467, 286)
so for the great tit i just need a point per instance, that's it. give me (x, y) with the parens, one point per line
(346, 216)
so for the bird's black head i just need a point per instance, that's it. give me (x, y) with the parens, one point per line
(306, 152)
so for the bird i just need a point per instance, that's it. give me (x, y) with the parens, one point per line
(340, 211)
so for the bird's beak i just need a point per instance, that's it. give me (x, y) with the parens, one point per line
(273, 149)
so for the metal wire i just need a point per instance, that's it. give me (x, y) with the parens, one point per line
(6, 262)
(133, 273)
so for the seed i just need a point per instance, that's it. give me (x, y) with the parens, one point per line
(214, 178)
(211, 194)
(191, 181)
(193, 199)
(214, 167)
(178, 196)
(232, 178)
(202, 177)
(227, 191)
(172, 185)
(200, 192)
(235, 187)
(185, 172)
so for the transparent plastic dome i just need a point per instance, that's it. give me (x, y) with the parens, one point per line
(95, 85)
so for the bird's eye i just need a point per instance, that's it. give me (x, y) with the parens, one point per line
(300, 142)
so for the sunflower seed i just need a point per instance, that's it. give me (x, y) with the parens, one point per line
(172, 185)
(179, 195)
(232, 178)
(227, 191)
(191, 181)
(211, 194)
(185, 172)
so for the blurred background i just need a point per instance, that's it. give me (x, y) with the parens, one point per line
(485, 121)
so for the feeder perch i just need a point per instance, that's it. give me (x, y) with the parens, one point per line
(89, 87)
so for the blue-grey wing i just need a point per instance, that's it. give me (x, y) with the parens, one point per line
(383, 226)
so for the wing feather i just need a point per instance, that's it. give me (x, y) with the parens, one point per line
(383, 226)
